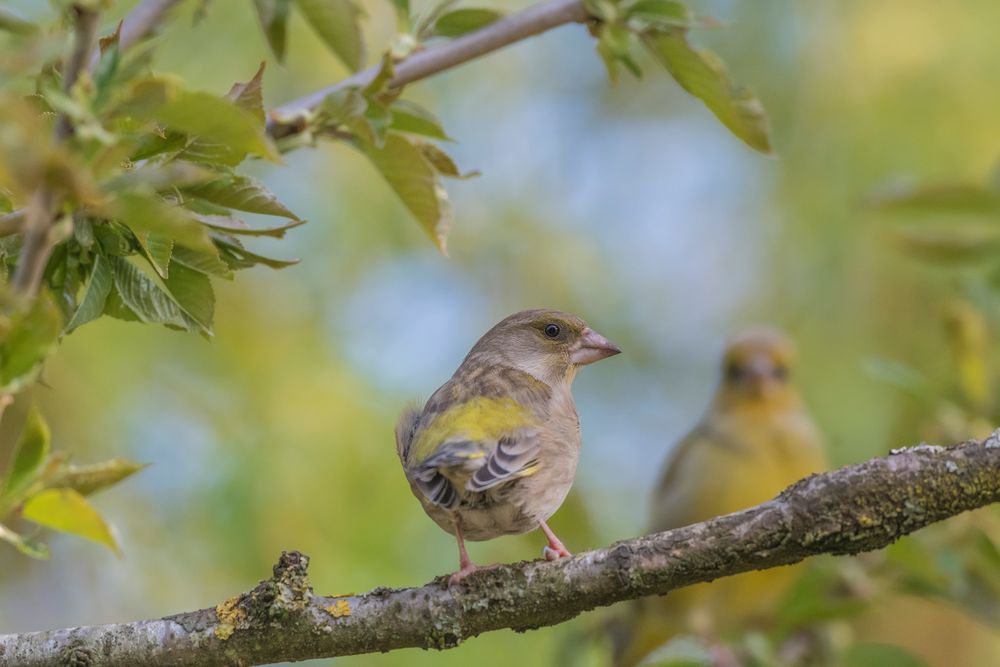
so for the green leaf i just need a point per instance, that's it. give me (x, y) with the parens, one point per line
(342, 105)
(956, 200)
(33, 335)
(442, 162)
(461, 21)
(150, 214)
(337, 22)
(26, 546)
(273, 15)
(192, 291)
(702, 74)
(949, 243)
(240, 258)
(207, 263)
(414, 179)
(659, 13)
(116, 308)
(30, 453)
(67, 511)
(158, 249)
(160, 177)
(147, 300)
(880, 655)
(243, 194)
(250, 95)
(12, 23)
(213, 119)
(615, 45)
(236, 226)
(88, 479)
(95, 293)
(410, 117)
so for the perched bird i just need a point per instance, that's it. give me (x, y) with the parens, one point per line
(755, 440)
(494, 450)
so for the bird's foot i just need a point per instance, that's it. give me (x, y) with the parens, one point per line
(555, 552)
(468, 569)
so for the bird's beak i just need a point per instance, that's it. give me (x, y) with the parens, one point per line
(592, 347)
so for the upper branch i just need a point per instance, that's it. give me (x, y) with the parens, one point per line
(422, 64)
(857, 508)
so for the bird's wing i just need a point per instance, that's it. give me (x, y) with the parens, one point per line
(476, 444)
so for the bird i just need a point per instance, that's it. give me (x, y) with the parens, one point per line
(494, 450)
(755, 439)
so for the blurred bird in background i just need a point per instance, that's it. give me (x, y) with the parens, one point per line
(494, 450)
(756, 439)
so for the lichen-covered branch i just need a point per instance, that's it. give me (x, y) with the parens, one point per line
(857, 508)
(283, 121)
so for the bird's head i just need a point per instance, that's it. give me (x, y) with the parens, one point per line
(547, 344)
(756, 369)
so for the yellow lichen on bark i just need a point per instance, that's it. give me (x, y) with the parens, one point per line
(229, 615)
(339, 608)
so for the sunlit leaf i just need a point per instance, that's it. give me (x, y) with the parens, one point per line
(68, 511)
(239, 257)
(949, 243)
(442, 162)
(207, 263)
(158, 249)
(87, 479)
(233, 225)
(160, 177)
(250, 95)
(953, 200)
(702, 74)
(273, 15)
(410, 117)
(461, 21)
(411, 175)
(150, 214)
(95, 293)
(202, 115)
(31, 339)
(647, 14)
(241, 193)
(338, 24)
(26, 546)
(30, 452)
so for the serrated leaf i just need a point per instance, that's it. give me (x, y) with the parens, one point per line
(159, 177)
(207, 263)
(147, 300)
(95, 293)
(30, 452)
(212, 119)
(414, 179)
(241, 193)
(148, 214)
(442, 162)
(116, 308)
(25, 545)
(250, 95)
(338, 24)
(192, 291)
(88, 479)
(158, 249)
(461, 21)
(233, 225)
(28, 343)
(273, 15)
(68, 511)
(702, 74)
(240, 258)
(410, 117)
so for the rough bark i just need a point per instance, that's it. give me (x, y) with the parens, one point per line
(854, 509)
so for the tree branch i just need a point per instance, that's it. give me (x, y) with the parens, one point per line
(41, 211)
(283, 121)
(857, 508)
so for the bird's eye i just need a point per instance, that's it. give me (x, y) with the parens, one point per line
(733, 372)
(552, 330)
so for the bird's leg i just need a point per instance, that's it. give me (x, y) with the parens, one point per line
(465, 564)
(555, 548)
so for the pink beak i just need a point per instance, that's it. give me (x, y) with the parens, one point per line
(592, 347)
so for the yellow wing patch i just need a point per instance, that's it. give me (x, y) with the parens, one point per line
(479, 419)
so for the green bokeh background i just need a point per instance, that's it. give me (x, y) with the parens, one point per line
(627, 204)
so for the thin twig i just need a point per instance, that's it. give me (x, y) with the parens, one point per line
(422, 64)
(857, 508)
(144, 19)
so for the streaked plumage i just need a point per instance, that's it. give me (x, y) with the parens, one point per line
(755, 440)
(494, 450)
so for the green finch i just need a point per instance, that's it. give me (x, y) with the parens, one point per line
(494, 450)
(755, 440)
